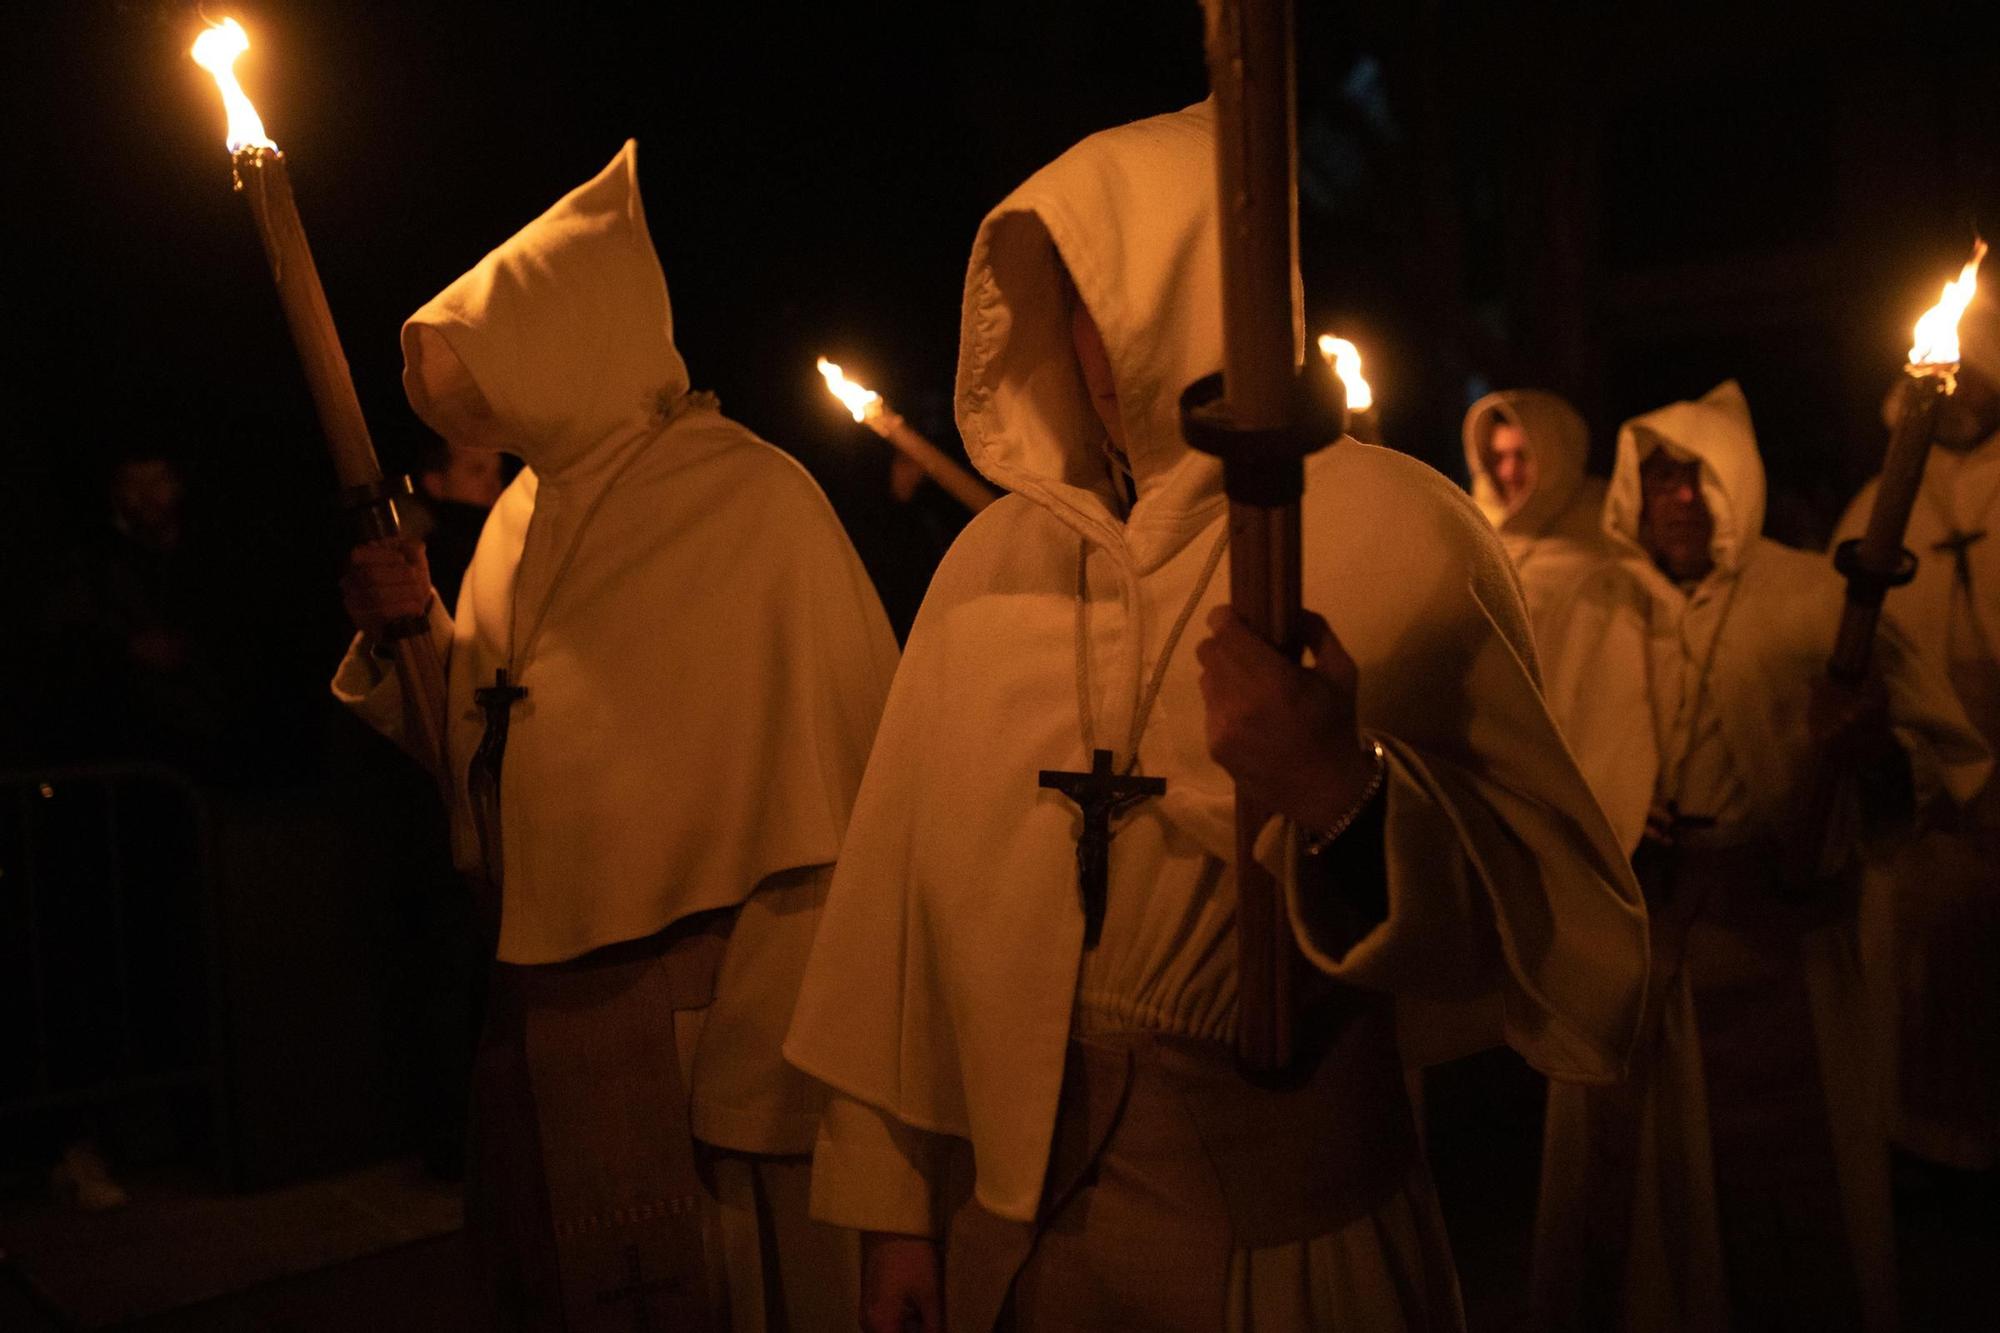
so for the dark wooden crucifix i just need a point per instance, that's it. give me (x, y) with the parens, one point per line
(497, 702)
(482, 779)
(1102, 796)
(1959, 547)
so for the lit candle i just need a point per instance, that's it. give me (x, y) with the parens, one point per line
(1875, 562)
(867, 407)
(1345, 358)
(262, 180)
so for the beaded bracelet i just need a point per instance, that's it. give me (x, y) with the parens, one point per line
(1319, 841)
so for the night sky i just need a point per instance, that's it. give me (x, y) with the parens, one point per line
(1624, 209)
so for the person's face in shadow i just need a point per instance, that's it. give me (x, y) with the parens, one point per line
(1675, 525)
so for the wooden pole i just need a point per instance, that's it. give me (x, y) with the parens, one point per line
(1251, 72)
(262, 178)
(939, 466)
(1873, 563)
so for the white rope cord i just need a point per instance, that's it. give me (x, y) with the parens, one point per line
(1151, 693)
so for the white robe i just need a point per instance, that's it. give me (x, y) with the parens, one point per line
(704, 658)
(1931, 916)
(949, 973)
(1698, 695)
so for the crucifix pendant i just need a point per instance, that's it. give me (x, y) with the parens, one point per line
(482, 784)
(1959, 546)
(1101, 795)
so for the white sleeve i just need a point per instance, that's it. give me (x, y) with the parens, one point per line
(368, 684)
(873, 1173)
(1433, 940)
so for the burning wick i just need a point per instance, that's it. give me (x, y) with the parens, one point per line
(1345, 358)
(1937, 330)
(216, 51)
(866, 406)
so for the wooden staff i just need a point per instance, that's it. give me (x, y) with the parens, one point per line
(262, 179)
(1252, 419)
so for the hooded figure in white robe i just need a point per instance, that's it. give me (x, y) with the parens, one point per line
(1740, 1176)
(990, 1070)
(1931, 915)
(704, 662)
(1555, 533)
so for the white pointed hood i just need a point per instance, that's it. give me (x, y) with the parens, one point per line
(565, 327)
(704, 657)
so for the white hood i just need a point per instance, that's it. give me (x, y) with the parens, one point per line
(1559, 443)
(704, 658)
(1155, 294)
(1714, 430)
(565, 327)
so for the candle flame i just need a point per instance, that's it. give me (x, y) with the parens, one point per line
(216, 51)
(1345, 358)
(1937, 330)
(863, 403)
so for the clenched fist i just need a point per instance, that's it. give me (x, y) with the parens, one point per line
(385, 581)
(1286, 733)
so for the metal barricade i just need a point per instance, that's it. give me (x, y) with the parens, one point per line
(109, 977)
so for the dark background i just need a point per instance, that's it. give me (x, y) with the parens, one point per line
(1626, 208)
(1626, 204)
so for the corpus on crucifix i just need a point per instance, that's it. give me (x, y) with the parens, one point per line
(1101, 795)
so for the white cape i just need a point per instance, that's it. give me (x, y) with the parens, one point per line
(941, 985)
(698, 641)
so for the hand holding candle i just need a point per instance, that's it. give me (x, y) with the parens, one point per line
(868, 408)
